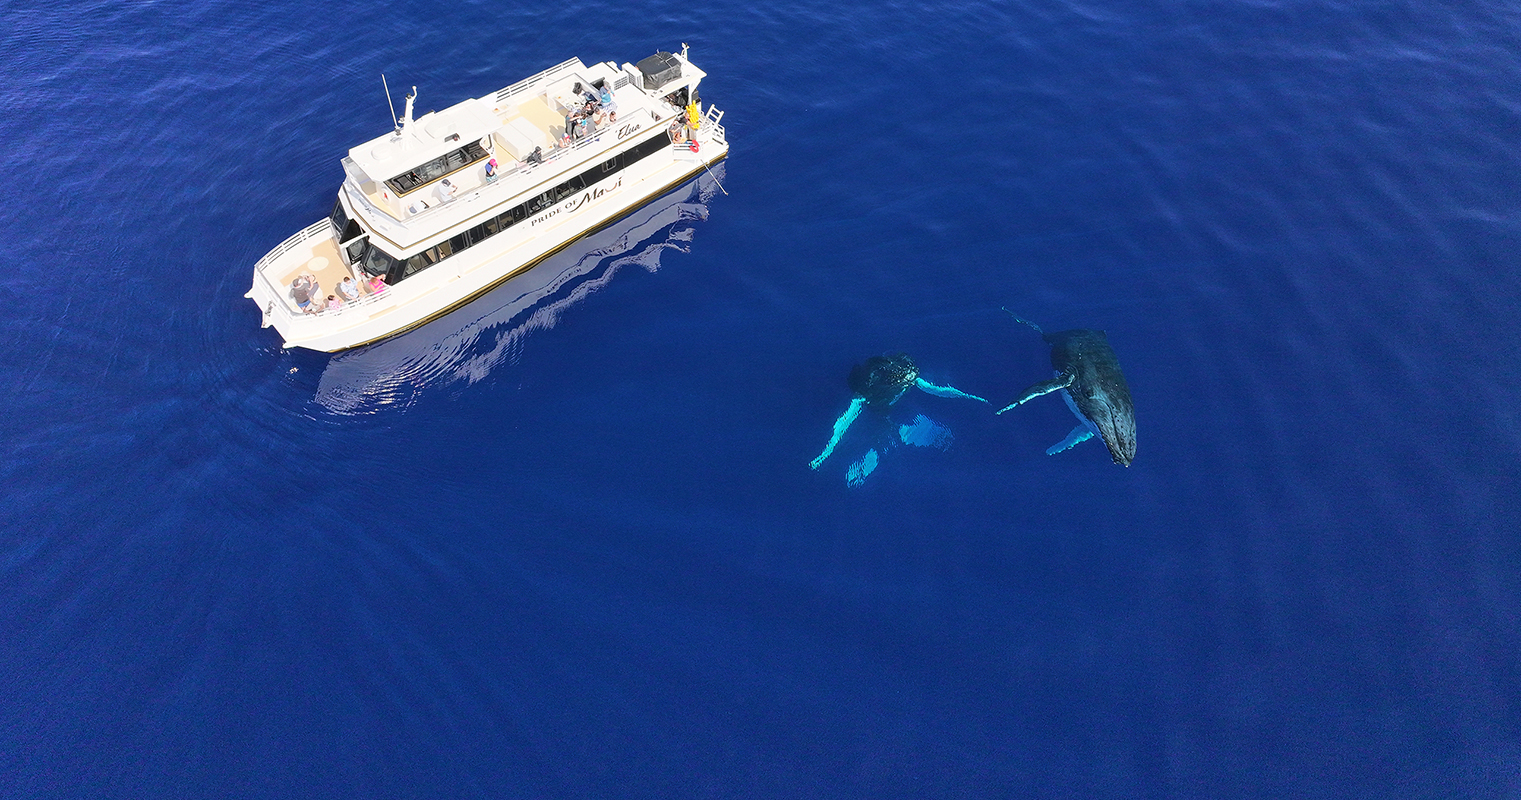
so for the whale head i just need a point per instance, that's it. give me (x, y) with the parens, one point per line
(881, 380)
(1097, 389)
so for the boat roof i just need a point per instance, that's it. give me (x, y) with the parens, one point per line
(429, 136)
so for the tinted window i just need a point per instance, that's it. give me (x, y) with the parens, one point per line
(437, 168)
(355, 249)
(415, 264)
(339, 217)
(518, 213)
(377, 261)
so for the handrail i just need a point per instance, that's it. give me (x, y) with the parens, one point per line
(323, 225)
(364, 300)
(715, 130)
(578, 147)
(523, 84)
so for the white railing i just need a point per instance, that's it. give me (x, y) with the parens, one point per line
(512, 178)
(324, 226)
(707, 123)
(364, 300)
(717, 131)
(518, 87)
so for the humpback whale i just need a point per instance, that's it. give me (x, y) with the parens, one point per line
(877, 384)
(1089, 378)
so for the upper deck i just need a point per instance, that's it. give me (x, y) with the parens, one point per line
(423, 250)
(394, 183)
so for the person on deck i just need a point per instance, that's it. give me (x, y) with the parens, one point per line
(301, 291)
(348, 289)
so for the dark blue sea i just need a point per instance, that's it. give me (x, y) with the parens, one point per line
(565, 542)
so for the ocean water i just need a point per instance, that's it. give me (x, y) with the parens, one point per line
(566, 542)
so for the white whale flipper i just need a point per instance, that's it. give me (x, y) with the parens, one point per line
(1044, 387)
(944, 391)
(840, 426)
(1080, 434)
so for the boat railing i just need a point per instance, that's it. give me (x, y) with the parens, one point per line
(712, 118)
(522, 85)
(349, 305)
(552, 161)
(323, 226)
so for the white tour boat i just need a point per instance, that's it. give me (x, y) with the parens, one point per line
(453, 203)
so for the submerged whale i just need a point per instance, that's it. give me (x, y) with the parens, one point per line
(877, 384)
(1089, 378)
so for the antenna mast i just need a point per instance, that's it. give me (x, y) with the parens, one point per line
(389, 103)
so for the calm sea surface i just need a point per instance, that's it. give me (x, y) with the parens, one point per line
(566, 542)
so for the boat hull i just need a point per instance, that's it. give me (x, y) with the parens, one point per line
(459, 280)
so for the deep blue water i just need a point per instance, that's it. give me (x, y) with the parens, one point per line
(566, 543)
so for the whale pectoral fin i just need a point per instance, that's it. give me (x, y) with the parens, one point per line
(944, 391)
(1078, 435)
(840, 425)
(1044, 387)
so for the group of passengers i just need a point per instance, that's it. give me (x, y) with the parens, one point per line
(596, 109)
(307, 292)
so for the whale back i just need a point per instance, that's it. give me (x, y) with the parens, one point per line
(1098, 387)
(883, 379)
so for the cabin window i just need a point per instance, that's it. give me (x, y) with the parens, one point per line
(518, 213)
(377, 261)
(340, 219)
(415, 264)
(355, 249)
(445, 164)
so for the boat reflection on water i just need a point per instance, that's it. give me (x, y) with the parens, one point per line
(468, 343)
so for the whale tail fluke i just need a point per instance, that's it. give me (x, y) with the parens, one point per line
(1080, 434)
(944, 391)
(1044, 387)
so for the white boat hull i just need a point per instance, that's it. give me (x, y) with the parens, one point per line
(476, 271)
